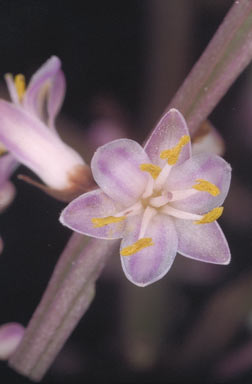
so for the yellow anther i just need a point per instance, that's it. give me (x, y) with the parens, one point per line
(137, 246)
(206, 186)
(172, 154)
(154, 170)
(99, 222)
(19, 82)
(211, 216)
(3, 150)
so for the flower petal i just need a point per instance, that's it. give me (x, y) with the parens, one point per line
(56, 96)
(166, 135)
(11, 88)
(38, 148)
(79, 213)
(153, 262)
(116, 169)
(44, 80)
(204, 166)
(205, 242)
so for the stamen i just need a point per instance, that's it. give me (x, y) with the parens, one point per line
(182, 194)
(148, 215)
(163, 176)
(99, 222)
(137, 246)
(172, 154)
(149, 188)
(169, 210)
(206, 186)
(154, 170)
(211, 216)
(3, 150)
(19, 82)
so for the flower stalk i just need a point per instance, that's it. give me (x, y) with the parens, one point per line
(226, 56)
(66, 299)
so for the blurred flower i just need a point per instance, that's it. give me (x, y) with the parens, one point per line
(104, 130)
(159, 199)
(10, 337)
(7, 190)
(27, 130)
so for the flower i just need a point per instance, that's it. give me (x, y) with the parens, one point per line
(159, 199)
(27, 130)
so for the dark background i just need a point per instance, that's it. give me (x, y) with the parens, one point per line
(135, 53)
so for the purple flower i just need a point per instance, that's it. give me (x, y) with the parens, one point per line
(27, 127)
(159, 199)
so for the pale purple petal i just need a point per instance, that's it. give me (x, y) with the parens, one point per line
(203, 242)
(36, 91)
(166, 135)
(56, 96)
(11, 88)
(116, 169)
(79, 213)
(153, 262)
(38, 148)
(10, 337)
(204, 166)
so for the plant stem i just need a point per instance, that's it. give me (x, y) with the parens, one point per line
(66, 299)
(226, 56)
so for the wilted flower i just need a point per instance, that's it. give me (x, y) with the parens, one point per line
(159, 199)
(28, 132)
